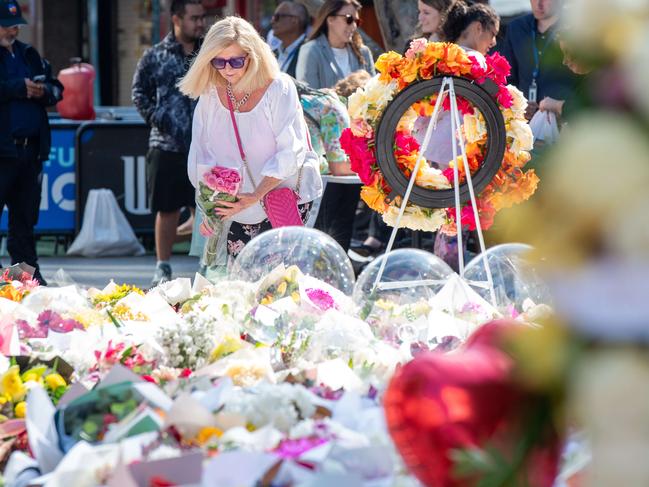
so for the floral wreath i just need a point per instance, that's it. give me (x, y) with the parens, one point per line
(425, 60)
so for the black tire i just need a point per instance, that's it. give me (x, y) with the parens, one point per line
(482, 99)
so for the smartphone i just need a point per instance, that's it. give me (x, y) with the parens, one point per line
(39, 79)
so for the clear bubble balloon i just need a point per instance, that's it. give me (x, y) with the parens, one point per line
(397, 307)
(315, 253)
(516, 280)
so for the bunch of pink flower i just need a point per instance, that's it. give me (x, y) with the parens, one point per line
(217, 184)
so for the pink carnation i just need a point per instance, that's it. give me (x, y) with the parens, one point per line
(504, 97)
(498, 68)
(361, 157)
(416, 46)
(321, 299)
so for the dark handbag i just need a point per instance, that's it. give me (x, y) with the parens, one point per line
(280, 204)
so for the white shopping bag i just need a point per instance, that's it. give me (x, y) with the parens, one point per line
(105, 230)
(544, 127)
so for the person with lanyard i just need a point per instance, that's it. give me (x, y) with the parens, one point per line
(26, 89)
(290, 22)
(532, 49)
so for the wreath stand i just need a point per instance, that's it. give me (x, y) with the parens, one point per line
(448, 88)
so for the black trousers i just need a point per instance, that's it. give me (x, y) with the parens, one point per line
(20, 191)
(337, 212)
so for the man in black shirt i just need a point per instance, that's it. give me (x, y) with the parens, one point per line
(26, 88)
(532, 49)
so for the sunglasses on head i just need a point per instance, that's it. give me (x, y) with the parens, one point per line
(234, 62)
(349, 19)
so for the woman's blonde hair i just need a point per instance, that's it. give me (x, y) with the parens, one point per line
(262, 65)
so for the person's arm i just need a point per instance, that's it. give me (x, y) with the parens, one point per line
(12, 89)
(308, 66)
(197, 147)
(332, 125)
(369, 60)
(552, 105)
(144, 90)
(52, 87)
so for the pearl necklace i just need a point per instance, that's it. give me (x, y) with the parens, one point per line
(236, 104)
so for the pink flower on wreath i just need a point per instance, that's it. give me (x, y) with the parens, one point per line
(463, 105)
(321, 299)
(360, 128)
(416, 46)
(504, 97)
(405, 144)
(361, 157)
(498, 68)
(478, 71)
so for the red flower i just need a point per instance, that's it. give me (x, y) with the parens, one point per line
(405, 144)
(149, 378)
(438, 404)
(504, 97)
(498, 68)
(478, 72)
(361, 157)
(463, 105)
(185, 373)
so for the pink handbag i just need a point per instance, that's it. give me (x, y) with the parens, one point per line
(280, 204)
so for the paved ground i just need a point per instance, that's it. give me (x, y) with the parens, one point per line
(98, 272)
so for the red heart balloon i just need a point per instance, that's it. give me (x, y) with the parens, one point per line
(439, 403)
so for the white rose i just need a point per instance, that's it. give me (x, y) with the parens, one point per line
(521, 132)
(474, 127)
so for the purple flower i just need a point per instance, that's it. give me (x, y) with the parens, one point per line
(295, 448)
(51, 320)
(321, 299)
(25, 330)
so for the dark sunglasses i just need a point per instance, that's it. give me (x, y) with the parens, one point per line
(349, 19)
(234, 62)
(278, 17)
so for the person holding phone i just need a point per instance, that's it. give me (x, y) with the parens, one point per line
(26, 89)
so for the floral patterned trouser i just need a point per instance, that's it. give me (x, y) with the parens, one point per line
(241, 233)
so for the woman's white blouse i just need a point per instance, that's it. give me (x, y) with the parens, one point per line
(274, 137)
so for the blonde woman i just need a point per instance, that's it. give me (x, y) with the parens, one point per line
(236, 68)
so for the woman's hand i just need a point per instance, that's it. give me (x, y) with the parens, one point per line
(231, 208)
(551, 105)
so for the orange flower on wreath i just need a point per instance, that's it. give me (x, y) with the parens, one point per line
(374, 197)
(389, 65)
(456, 61)
(429, 59)
(409, 72)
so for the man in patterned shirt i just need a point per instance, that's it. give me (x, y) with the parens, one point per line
(169, 114)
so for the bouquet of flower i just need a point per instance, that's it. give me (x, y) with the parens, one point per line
(217, 184)
(15, 284)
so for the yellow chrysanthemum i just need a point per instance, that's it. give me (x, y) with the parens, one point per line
(207, 433)
(20, 410)
(54, 381)
(226, 347)
(12, 385)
